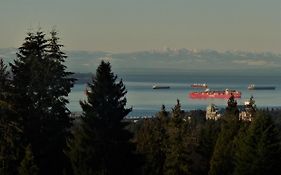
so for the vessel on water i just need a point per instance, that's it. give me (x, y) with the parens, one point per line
(196, 85)
(254, 87)
(160, 87)
(215, 94)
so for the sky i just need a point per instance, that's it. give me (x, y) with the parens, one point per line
(135, 25)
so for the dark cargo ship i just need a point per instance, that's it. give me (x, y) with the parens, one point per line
(254, 87)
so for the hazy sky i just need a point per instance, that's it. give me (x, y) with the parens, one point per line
(130, 25)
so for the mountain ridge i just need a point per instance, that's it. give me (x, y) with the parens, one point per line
(167, 59)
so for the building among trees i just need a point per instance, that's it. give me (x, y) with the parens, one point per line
(248, 111)
(212, 112)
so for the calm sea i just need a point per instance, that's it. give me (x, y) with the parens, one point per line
(147, 101)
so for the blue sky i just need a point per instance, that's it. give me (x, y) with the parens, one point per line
(132, 25)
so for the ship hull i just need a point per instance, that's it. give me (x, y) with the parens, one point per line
(262, 88)
(213, 95)
(199, 86)
(161, 87)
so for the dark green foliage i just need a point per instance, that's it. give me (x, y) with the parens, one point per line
(4, 86)
(276, 116)
(152, 143)
(163, 114)
(252, 106)
(58, 84)
(9, 146)
(167, 143)
(177, 154)
(101, 145)
(259, 150)
(40, 85)
(177, 115)
(217, 145)
(222, 161)
(9, 131)
(4, 75)
(232, 108)
(197, 117)
(27, 165)
(207, 138)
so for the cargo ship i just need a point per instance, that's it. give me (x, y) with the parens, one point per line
(196, 85)
(160, 87)
(215, 94)
(254, 87)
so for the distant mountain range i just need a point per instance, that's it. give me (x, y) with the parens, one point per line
(170, 60)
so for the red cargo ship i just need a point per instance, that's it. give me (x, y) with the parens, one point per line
(215, 94)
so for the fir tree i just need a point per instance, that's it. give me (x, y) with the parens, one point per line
(9, 146)
(222, 161)
(40, 85)
(232, 108)
(177, 115)
(58, 83)
(4, 85)
(152, 143)
(28, 166)
(101, 145)
(4, 75)
(177, 156)
(163, 114)
(259, 151)
(207, 138)
(9, 131)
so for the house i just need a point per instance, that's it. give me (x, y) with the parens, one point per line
(212, 112)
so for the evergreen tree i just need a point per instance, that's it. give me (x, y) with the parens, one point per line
(232, 108)
(152, 143)
(259, 151)
(177, 156)
(27, 166)
(4, 85)
(222, 161)
(101, 145)
(9, 146)
(59, 83)
(163, 114)
(252, 103)
(9, 131)
(40, 85)
(27, 87)
(207, 138)
(4, 75)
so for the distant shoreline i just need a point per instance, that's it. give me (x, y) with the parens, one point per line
(76, 114)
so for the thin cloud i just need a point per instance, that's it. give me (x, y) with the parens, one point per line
(256, 63)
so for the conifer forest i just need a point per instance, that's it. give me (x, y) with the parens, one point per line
(39, 136)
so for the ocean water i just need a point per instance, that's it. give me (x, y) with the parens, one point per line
(146, 101)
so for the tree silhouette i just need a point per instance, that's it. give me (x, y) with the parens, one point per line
(41, 84)
(101, 145)
(27, 166)
(222, 161)
(259, 151)
(9, 131)
(177, 156)
(152, 140)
